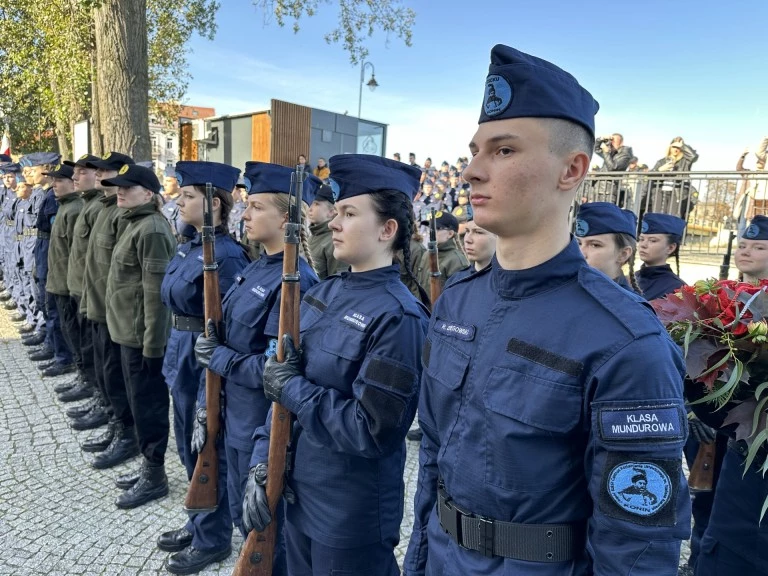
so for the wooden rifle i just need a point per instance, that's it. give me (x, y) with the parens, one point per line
(435, 283)
(202, 495)
(257, 553)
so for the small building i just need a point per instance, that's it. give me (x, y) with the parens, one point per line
(279, 135)
(165, 135)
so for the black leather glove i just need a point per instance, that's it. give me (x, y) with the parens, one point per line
(206, 345)
(256, 515)
(701, 431)
(277, 374)
(199, 430)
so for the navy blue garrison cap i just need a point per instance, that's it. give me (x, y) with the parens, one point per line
(219, 175)
(40, 158)
(757, 229)
(357, 174)
(655, 223)
(11, 168)
(134, 175)
(519, 85)
(5, 158)
(263, 177)
(61, 171)
(605, 218)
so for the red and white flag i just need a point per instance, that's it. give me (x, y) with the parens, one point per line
(5, 147)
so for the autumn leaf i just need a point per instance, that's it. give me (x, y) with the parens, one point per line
(676, 307)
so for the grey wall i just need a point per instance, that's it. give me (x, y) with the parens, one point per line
(234, 147)
(332, 134)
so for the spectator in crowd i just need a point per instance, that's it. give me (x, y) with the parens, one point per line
(412, 159)
(633, 165)
(322, 171)
(396, 156)
(616, 158)
(673, 195)
(302, 161)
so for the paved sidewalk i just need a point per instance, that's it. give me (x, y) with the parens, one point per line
(57, 514)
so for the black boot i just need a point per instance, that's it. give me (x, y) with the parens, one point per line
(122, 448)
(26, 329)
(18, 317)
(414, 435)
(10, 305)
(152, 484)
(175, 540)
(94, 419)
(5, 296)
(41, 355)
(81, 391)
(59, 370)
(191, 560)
(101, 442)
(66, 386)
(82, 409)
(125, 481)
(34, 339)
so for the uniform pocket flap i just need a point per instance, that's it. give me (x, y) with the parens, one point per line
(344, 342)
(533, 400)
(445, 363)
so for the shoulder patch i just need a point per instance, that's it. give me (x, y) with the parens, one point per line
(642, 424)
(641, 491)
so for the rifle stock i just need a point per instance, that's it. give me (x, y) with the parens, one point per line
(435, 282)
(202, 495)
(701, 475)
(725, 266)
(257, 553)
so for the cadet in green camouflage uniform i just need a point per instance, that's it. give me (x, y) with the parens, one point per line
(320, 213)
(450, 256)
(140, 323)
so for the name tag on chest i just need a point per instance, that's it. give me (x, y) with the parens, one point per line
(357, 320)
(455, 330)
(641, 424)
(260, 291)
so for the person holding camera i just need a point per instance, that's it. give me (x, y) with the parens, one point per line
(616, 158)
(673, 195)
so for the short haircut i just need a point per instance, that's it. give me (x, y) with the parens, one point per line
(567, 136)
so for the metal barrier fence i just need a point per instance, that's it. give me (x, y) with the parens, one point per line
(713, 203)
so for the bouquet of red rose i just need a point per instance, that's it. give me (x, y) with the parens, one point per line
(722, 327)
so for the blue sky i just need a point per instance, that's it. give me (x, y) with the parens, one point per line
(697, 69)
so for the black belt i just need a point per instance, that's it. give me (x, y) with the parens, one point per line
(43, 235)
(188, 323)
(529, 542)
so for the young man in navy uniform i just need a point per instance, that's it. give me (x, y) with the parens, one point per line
(546, 428)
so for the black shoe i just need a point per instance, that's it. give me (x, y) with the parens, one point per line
(101, 442)
(35, 349)
(94, 419)
(60, 370)
(66, 386)
(34, 339)
(80, 392)
(415, 435)
(125, 481)
(122, 448)
(18, 317)
(26, 329)
(46, 364)
(152, 484)
(10, 305)
(41, 355)
(82, 409)
(191, 560)
(5, 296)
(175, 540)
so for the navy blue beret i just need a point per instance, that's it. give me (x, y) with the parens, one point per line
(263, 177)
(11, 168)
(655, 223)
(357, 174)
(61, 171)
(519, 85)
(40, 158)
(219, 175)
(605, 218)
(134, 175)
(757, 229)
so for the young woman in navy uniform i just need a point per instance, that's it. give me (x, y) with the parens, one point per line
(607, 237)
(735, 541)
(660, 239)
(206, 537)
(251, 313)
(353, 387)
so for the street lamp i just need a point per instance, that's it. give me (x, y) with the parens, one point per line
(372, 84)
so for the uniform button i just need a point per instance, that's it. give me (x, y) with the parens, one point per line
(549, 533)
(550, 555)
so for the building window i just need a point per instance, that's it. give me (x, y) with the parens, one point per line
(195, 112)
(169, 144)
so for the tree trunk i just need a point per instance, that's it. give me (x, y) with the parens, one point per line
(122, 77)
(62, 127)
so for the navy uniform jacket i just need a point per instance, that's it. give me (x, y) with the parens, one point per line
(538, 406)
(26, 232)
(45, 216)
(8, 228)
(252, 313)
(171, 212)
(657, 281)
(361, 336)
(182, 292)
